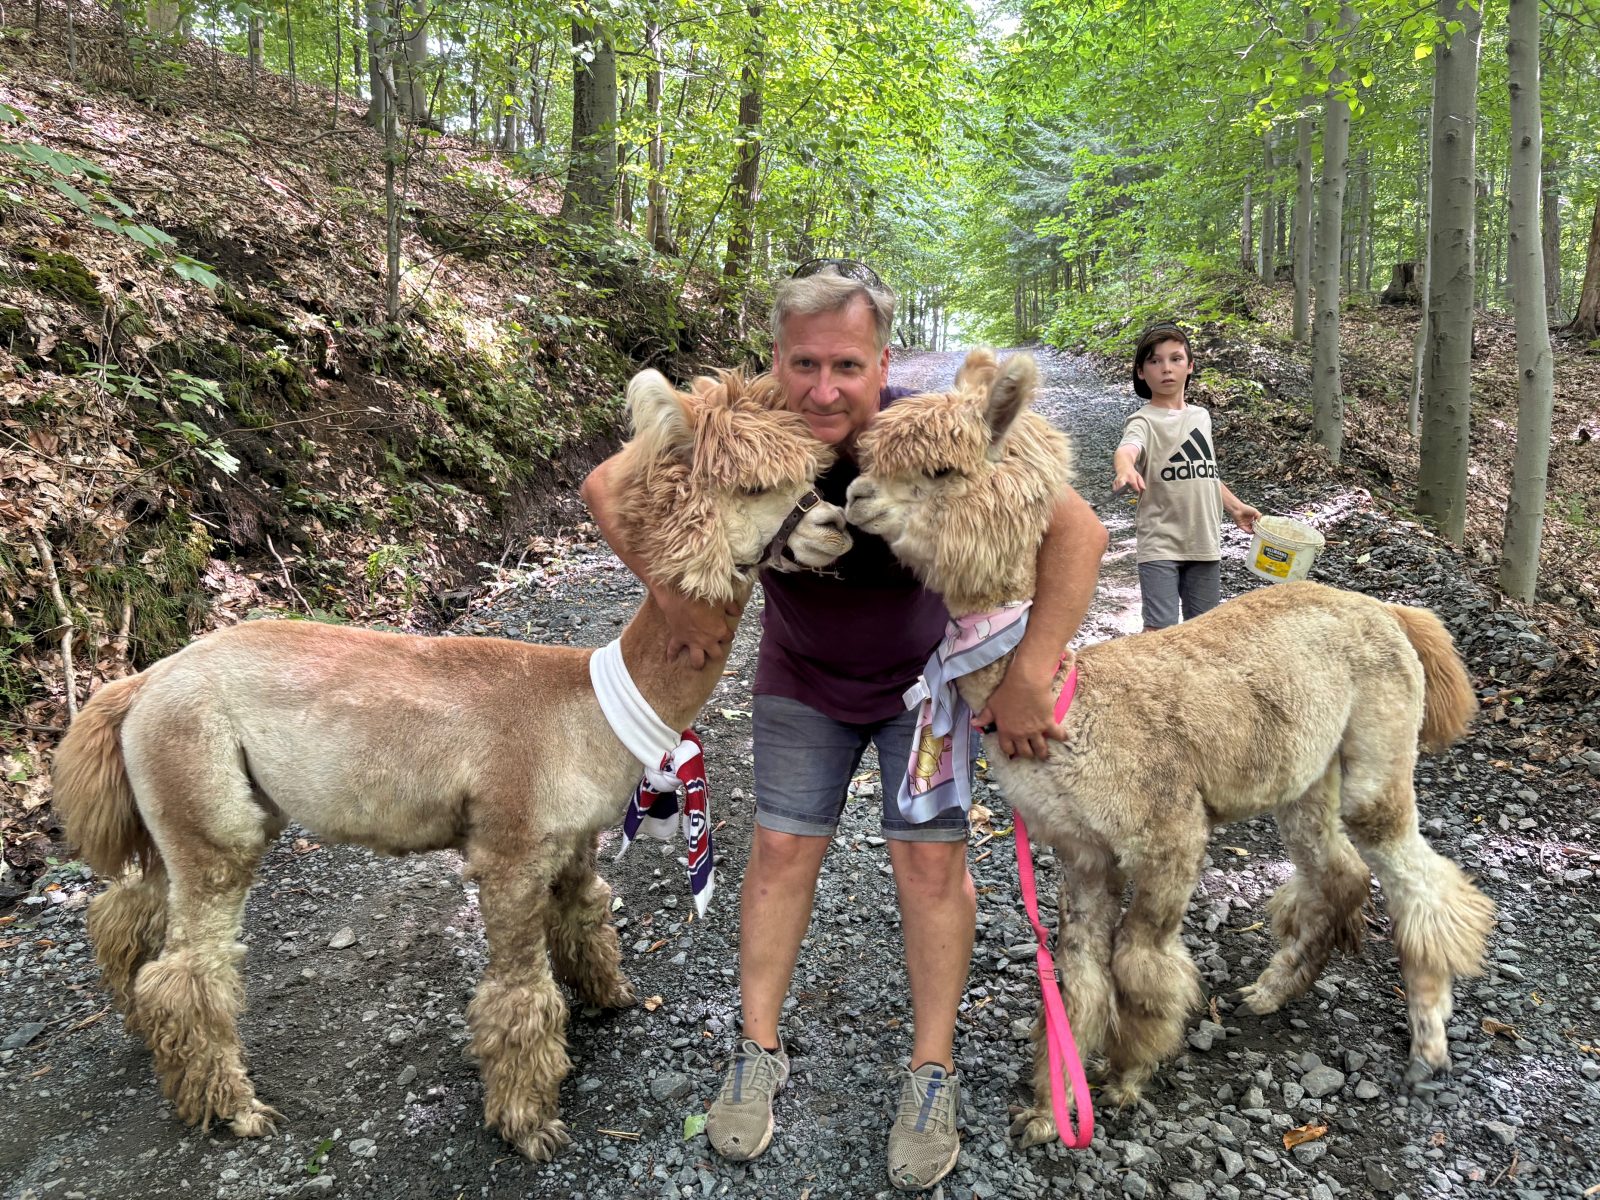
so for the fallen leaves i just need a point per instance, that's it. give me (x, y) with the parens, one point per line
(1298, 1136)
(1493, 1027)
(651, 1003)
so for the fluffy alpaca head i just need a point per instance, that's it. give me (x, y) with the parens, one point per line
(962, 484)
(708, 478)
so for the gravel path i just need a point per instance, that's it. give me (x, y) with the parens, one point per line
(360, 969)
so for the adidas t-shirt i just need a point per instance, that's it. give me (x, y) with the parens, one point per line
(1180, 513)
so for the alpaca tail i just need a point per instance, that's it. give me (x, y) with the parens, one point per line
(92, 792)
(1449, 702)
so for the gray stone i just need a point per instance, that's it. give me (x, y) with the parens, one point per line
(1322, 1081)
(1134, 1185)
(1499, 1129)
(1367, 1090)
(1380, 1177)
(1232, 1161)
(364, 1148)
(670, 1085)
(1184, 1189)
(345, 937)
(22, 1035)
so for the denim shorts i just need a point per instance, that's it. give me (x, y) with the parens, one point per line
(805, 761)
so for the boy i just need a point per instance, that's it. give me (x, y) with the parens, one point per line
(1166, 457)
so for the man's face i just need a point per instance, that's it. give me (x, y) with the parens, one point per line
(831, 371)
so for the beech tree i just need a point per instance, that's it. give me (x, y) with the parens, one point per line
(1519, 559)
(1327, 400)
(1447, 364)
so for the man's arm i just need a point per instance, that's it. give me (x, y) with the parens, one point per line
(700, 630)
(1022, 707)
(1244, 516)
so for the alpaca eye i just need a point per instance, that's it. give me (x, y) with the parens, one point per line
(943, 473)
(754, 492)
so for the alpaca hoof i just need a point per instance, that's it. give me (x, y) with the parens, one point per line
(1253, 998)
(620, 994)
(545, 1142)
(1033, 1128)
(259, 1121)
(1124, 1093)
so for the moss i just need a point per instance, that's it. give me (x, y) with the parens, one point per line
(258, 316)
(160, 577)
(61, 275)
(12, 323)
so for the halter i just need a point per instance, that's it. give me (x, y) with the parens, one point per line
(780, 541)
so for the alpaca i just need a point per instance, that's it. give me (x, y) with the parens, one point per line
(406, 744)
(1174, 732)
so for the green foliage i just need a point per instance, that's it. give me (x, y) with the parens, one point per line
(61, 172)
(157, 573)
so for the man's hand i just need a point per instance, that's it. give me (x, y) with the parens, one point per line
(1244, 516)
(701, 631)
(1022, 710)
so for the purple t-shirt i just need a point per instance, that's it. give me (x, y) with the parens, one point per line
(848, 644)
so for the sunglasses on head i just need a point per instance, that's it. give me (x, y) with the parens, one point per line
(848, 267)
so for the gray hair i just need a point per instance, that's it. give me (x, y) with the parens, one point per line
(828, 292)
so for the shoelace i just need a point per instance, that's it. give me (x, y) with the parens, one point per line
(762, 1067)
(914, 1100)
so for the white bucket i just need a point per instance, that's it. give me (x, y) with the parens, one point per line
(1283, 549)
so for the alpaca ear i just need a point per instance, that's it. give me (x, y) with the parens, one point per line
(1011, 393)
(658, 417)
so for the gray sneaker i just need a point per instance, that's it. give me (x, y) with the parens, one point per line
(923, 1144)
(739, 1125)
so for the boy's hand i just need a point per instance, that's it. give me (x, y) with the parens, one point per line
(1128, 477)
(700, 631)
(1244, 517)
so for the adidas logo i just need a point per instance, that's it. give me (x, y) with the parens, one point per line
(1194, 460)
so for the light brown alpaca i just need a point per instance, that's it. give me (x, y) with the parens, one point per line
(1298, 699)
(406, 744)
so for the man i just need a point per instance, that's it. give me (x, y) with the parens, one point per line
(837, 652)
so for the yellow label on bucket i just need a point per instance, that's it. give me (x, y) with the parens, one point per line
(1273, 561)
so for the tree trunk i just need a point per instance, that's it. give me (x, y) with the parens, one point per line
(377, 56)
(592, 173)
(338, 61)
(746, 176)
(657, 225)
(1419, 346)
(1302, 230)
(1247, 237)
(288, 34)
(1364, 243)
(1265, 261)
(411, 78)
(1447, 365)
(1587, 322)
(161, 17)
(1519, 558)
(1550, 203)
(253, 46)
(1327, 398)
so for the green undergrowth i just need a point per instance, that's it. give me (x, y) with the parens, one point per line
(1193, 293)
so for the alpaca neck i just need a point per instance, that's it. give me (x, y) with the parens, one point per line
(676, 691)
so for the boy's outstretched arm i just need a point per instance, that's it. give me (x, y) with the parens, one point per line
(1022, 707)
(1244, 516)
(699, 630)
(1125, 462)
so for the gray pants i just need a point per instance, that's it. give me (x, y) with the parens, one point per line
(1170, 585)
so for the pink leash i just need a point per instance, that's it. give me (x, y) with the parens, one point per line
(1058, 1031)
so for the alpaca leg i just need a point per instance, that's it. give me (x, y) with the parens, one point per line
(127, 925)
(186, 1003)
(1319, 909)
(517, 1016)
(1157, 983)
(1441, 921)
(1088, 902)
(584, 949)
